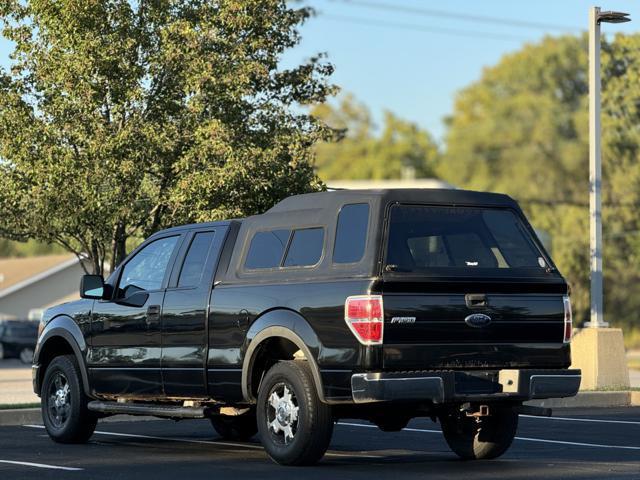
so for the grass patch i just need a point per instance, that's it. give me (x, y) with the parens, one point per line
(632, 338)
(610, 389)
(633, 363)
(14, 406)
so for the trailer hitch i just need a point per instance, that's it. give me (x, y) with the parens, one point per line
(475, 411)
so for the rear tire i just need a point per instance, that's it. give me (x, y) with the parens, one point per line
(295, 426)
(482, 439)
(64, 404)
(236, 427)
(1, 351)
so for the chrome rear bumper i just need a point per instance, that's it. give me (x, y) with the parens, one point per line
(460, 386)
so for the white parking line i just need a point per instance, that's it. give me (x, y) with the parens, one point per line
(579, 444)
(407, 429)
(41, 465)
(360, 425)
(206, 442)
(525, 439)
(589, 420)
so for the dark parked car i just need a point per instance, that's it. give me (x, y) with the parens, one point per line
(18, 339)
(382, 305)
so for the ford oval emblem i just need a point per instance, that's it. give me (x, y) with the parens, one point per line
(478, 320)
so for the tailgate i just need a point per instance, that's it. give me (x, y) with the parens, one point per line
(473, 330)
(469, 287)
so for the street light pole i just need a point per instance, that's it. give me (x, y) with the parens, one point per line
(595, 172)
(595, 161)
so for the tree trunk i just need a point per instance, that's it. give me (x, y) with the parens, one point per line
(94, 258)
(96, 269)
(119, 248)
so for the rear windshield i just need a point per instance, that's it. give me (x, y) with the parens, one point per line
(460, 240)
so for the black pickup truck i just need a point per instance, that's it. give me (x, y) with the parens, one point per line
(382, 305)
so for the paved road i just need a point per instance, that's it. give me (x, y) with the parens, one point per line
(582, 444)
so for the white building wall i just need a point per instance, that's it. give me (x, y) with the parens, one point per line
(42, 293)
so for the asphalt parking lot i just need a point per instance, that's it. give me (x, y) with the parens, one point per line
(585, 444)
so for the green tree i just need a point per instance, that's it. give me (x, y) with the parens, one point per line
(9, 248)
(522, 129)
(118, 118)
(359, 151)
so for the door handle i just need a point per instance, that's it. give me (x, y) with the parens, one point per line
(153, 314)
(242, 321)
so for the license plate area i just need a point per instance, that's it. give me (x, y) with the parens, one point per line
(473, 383)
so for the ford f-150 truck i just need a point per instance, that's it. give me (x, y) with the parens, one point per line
(381, 305)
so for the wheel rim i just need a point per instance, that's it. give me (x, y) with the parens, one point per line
(26, 355)
(59, 405)
(282, 413)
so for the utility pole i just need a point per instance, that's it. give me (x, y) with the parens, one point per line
(598, 351)
(596, 17)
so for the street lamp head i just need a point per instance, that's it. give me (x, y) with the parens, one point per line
(613, 17)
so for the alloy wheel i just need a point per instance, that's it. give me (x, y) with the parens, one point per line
(282, 413)
(59, 405)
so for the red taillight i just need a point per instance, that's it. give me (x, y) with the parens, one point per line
(364, 315)
(568, 319)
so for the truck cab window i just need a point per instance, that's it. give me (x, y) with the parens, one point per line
(196, 259)
(146, 270)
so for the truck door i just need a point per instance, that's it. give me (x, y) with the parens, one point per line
(185, 310)
(124, 351)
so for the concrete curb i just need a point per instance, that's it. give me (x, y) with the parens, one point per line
(25, 416)
(591, 400)
(20, 416)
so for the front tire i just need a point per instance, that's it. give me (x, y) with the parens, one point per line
(64, 404)
(483, 438)
(295, 426)
(236, 427)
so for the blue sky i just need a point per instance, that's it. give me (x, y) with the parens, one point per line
(413, 64)
(416, 73)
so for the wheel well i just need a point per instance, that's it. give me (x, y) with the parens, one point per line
(269, 352)
(54, 347)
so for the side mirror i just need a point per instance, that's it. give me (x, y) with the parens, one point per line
(92, 287)
(137, 300)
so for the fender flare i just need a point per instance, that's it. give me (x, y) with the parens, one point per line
(291, 326)
(64, 327)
